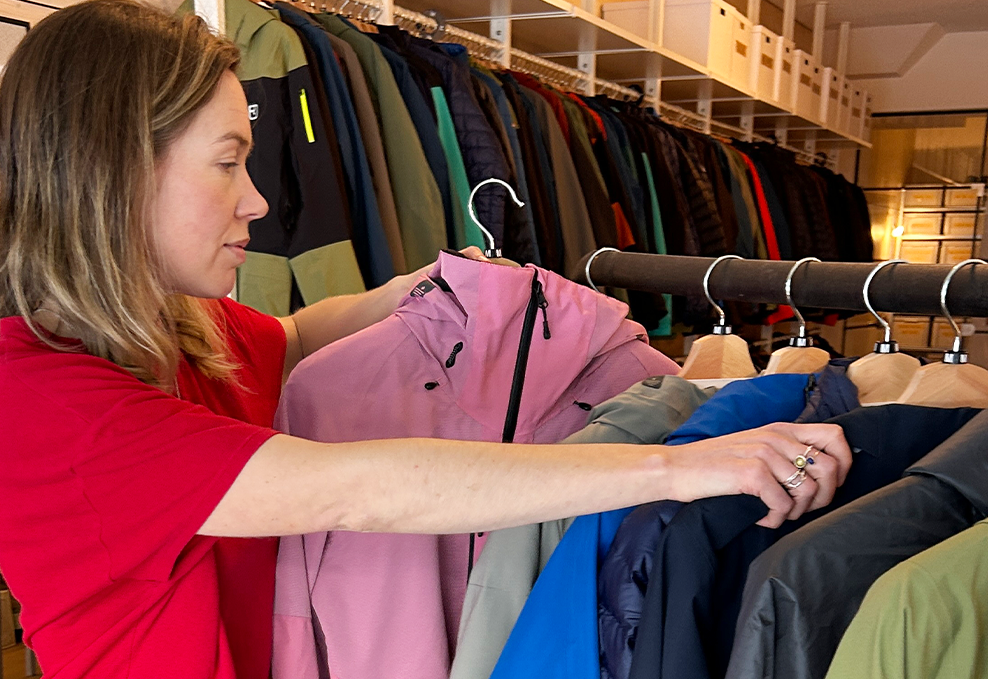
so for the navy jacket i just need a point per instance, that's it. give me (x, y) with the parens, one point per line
(625, 571)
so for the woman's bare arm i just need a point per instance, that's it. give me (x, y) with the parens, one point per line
(292, 486)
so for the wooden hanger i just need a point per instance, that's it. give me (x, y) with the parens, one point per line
(882, 376)
(800, 356)
(952, 383)
(722, 354)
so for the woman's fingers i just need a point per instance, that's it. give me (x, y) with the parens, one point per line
(473, 252)
(801, 488)
(827, 438)
(758, 479)
(824, 471)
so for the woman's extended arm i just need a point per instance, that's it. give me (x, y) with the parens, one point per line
(292, 486)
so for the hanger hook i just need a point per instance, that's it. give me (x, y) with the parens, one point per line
(803, 340)
(955, 355)
(586, 271)
(887, 346)
(706, 289)
(491, 251)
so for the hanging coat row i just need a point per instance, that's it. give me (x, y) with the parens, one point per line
(368, 141)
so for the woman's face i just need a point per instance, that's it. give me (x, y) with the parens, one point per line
(205, 199)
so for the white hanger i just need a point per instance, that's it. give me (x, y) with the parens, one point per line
(800, 356)
(720, 355)
(952, 383)
(491, 250)
(883, 375)
(586, 271)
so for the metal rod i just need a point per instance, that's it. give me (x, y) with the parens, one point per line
(913, 289)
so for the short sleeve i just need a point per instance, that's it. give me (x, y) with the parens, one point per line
(153, 468)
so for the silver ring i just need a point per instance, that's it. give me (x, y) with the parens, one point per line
(796, 480)
(795, 475)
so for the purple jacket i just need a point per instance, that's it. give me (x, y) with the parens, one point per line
(376, 606)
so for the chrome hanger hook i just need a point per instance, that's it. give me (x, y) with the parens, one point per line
(955, 355)
(801, 340)
(491, 250)
(887, 346)
(586, 271)
(722, 323)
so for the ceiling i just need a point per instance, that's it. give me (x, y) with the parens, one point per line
(953, 15)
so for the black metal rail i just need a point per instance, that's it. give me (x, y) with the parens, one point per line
(903, 288)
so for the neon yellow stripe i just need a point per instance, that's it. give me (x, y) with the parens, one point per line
(305, 116)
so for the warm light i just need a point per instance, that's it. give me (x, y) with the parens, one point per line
(898, 231)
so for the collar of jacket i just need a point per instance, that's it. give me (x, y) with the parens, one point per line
(961, 462)
(480, 307)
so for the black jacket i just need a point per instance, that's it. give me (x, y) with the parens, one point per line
(802, 593)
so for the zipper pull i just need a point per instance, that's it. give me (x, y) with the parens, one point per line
(543, 304)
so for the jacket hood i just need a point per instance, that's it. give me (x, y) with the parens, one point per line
(475, 312)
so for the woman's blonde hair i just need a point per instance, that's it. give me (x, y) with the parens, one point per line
(89, 103)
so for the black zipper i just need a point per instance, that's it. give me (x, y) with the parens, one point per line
(537, 302)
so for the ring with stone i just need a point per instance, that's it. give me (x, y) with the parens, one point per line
(806, 458)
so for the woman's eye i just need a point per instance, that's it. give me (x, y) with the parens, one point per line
(229, 166)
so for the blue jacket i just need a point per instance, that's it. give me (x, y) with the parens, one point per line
(556, 636)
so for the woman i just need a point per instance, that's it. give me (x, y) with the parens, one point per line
(137, 400)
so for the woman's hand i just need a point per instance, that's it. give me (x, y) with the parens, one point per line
(758, 462)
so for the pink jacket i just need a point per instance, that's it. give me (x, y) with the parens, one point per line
(377, 606)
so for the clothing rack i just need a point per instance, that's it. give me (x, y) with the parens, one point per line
(488, 49)
(695, 121)
(903, 289)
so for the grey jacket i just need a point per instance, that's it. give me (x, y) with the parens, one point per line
(513, 558)
(803, 592)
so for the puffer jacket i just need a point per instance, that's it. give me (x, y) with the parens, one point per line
(479, 144)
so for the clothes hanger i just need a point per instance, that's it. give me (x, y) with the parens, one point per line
(586, 271)
(952, 383)
(721, 355)
(883, 375)
(800, 356)
(491, 252)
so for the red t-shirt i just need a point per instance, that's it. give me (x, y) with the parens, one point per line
(104, 482)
